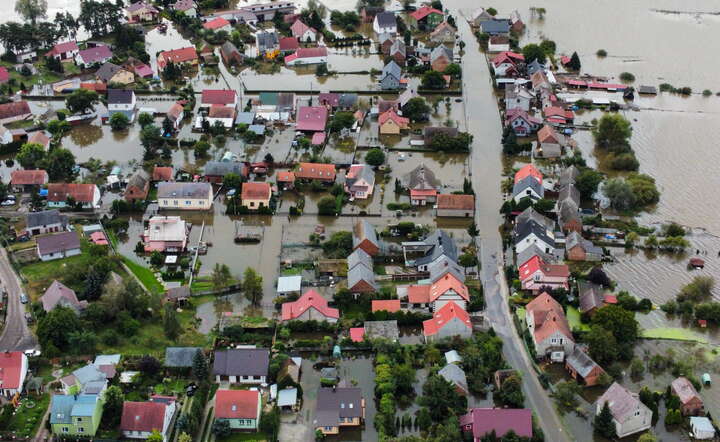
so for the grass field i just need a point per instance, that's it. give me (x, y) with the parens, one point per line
(41, 274)
(573, 317)
(245, 437)
(145, 275)
(520, 312)
(673, 334)
(25, 422)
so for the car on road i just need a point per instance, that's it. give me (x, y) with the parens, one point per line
(23, 298)
(8, 203)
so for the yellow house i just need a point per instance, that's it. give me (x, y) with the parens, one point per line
(184, 196)
(256, 195)
(390, 123)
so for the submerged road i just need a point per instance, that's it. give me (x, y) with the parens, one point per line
(483, 122)
(16, 335)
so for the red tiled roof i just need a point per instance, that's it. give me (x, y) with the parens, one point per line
(312, 118)
(97, 86)
(422, 192)
(143, 416)
(446, 314)
(498, 421)
(418, 294)
(218, 96)
(237, 404)
(40, 138)
(82, 193)
(511, 57)
(285, 177)
(548, 317)
(162, 173)
(316, 171)
(14, 109)
(445, 284)
(564, 59)
(548, 135)
(535, 264)
(555, 111)
(99, 238)
(454, 201)
(309, 299)
(220, 111)
(175, 111)
(11, 369)
(526, 171)
(390, 114)
(177, 56)
(216, 23)
(256, 191)
(307, 53)
(424, 12)
(28, 177)
(61, 48)
(685, 390)
(289, 44)
(357, 334)
(389, 305)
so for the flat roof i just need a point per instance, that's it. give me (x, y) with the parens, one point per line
(287, 284)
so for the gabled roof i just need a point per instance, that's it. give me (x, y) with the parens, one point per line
(359, 257)
(139, 179)
(336, 403)
(441, 51)
(532, 227)
(237, 404)
(57, 242)
(391, 115)
(218, 96)
(28, 177)
(361, 273)
(134, 7)
(685, 390)
(536, 264)
(423, 12)
(591, 296)
(11, 369)
(44, 218)
(216, 23)
(228, 49)
(495, 26)
(289, 43)
(242, 362)
(421, 178)
(61, 48)
(299, 28)
(517, 113)
(498, 420)
(180, 357)
(143, 416)
(581, 362)
(285, 177)
(448, 282)
(107, 71)
(256, 191)
(363, 230)
(120, 96)
(569, 176)
(385, 19)
(574, 239)
(222, 168)
(441, 317)
(59, 294)
(507, 57)
(309, 299)
(528, 170)
(548, 318)
(182, 55)
(393, 69)
(347, 100)
(64, 407)
(455, 375)
(14, 109)
(316, 171)
(555, 111)
(530, 214)
(184, 190)
(569, 194)
(312, 118)
(443, 265)
(622, 402)
(389, 305)
(453, 201)
(96, 54)
(398, 47)
(360, 172)
(528, 182)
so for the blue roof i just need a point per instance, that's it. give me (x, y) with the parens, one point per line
(89, 373)
(64, 407)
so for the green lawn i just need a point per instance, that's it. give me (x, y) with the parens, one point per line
(520, 312)
(573, 317)
(247, 437)
(25, 422)
(145, 275)
(674, 334)
(41, 274)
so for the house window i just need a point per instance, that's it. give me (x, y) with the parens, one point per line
(81, 430)
(188, 202)
(328, 428)
(65, 429)
(252, 203)
(175, 202)
(79, 419)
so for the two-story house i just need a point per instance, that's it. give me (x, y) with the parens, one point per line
(630, 415)
(549, 328)
(536, 275)
(184, 196)
(46, 221)
(75, 415)
(122, 101)
(450, 320)
(13, 370)
(241, 365)
(140, 419)
(338, 407)
(360, 181)
(240, 408)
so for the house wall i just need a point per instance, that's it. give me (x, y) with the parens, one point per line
(552, 342)
(328, 430)
(379, 30)
(389, 82)
(518, 103)
(59, 255)
(255, 204)
(454, 327)
(529, 192)
(240, 379)
(633, 424)
(49, 228)
(498, 47)
(444, 299)
(185, 203)
(455, 213)
(242, 424)
(313, 314)
(66, 55)
(389, 128)
(694, 407)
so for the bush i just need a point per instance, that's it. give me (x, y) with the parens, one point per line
(627, 77)
(399, 206)
(375, 157)
(601, 53)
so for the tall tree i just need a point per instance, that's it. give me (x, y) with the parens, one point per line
(441, 399)
(113, 404)
(54, 329)
(31, 156)
(60, 165)
(604, 424)
(31, 10)
(252, 285)
(200, 366)
(82, 101)
(171, 323)
(220, 276)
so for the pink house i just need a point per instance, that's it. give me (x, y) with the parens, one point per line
(166, 234)
(360, 181)
(536, 275)
(312, 118)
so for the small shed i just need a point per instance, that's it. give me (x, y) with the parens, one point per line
(701, 428)
(289, 284)
(706, 379)
(453, 357)
(287, 397)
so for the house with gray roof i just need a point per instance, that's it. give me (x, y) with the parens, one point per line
(420, 178)
(245, 118)
(592, 296)
(630, 415)
(267, 42)
(382, 330)
(581, 249)
(391, 76)
(456, 376)
(532, 233)
(241, 365)
(338, 407)
(444, 265)
(421, 254)
(495, 26)
(385, 23)
(184, 196)
(535, 66)
(180, 357)
(365, 238)
(530, 214)
(582, 367)
(528, 187)
(361, 278)
(57, 246)
(59, 295)
(45, 221)
(568, 208)
(347, 102)
(555, 256)
(569, 176)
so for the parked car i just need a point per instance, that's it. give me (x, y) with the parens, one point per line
(23, 298)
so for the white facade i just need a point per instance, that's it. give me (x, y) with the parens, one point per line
(527, 192)
(307, 60)
(387, 29)
(167, 420)
(498, 47)
(447, 297)
(635, 421)
(59, 255)
(241, 379)
(531, 240)
(179, 203)
(123, 106)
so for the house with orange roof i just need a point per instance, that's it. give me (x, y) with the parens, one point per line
(183, 57)
(549, 328)
(454, 205)
(536, 275)
(526, 171)
(218, 24)
(451, 320)
(310, 306)
(447, 288)
(256, 195)
(388, 305)
(390, 123)
(285, 180)
(316, 171)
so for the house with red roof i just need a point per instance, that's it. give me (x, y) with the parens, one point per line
(536, 275)
(691, 404)
(163, 173)
(505, 64)
(13, 370)
(95, 55)
(425, 17)
(256, 195)
(548, 326)
(526, 171)
(450, 320)
(357, 334)
(447, 288)
(64, 51)
(140, 419)
(521, 122)
(483, 422)
(305, 56)
(390, 123)
(185, 57)
(388, 305)
(285, 180)
(316, 171)
(218, 24)
(22, 180)
(223, 97)
(310, 306)
(303, 32)
(14, 111)
(289, 44)
(87, 195)
(556, 115)
(454, 205)
(312, 119)
(240, 408)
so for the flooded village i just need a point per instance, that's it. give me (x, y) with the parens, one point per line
(402, 221)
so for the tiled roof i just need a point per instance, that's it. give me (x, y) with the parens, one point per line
(216, 23)
(14, 109)
(455, 202)
(309, 299)
(57, 242)
(143, 416)
(316, 171)
(621, 401)
(82, 193)
(528, 170)
(218, 96)
(448, 283)
(312, 118)
(441, 317)
(28, 177)
(498, 421)
(256, 191)
(390, 305)
(237, 404)
(684, 390)
(423, 12)
(548, 316)
(11, 369)
(96, 54)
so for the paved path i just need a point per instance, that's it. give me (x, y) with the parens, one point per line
(485, 168)
(16, 335)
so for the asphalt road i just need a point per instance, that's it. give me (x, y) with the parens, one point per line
(16, 335)
(485, 168)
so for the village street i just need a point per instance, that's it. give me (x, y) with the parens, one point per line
(485, 166)
(15, 335)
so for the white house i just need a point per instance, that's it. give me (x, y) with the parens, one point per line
(307, 56)
(385, 23)
(303, 32)
(139, 419)
(518, 97)
(531, 233)
(629, 414)
(241, 365)
(13, 370)
(185, 196)
(57, 246)
(6, 135)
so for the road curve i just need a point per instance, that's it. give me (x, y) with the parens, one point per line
(16, 335)
(485, 167)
